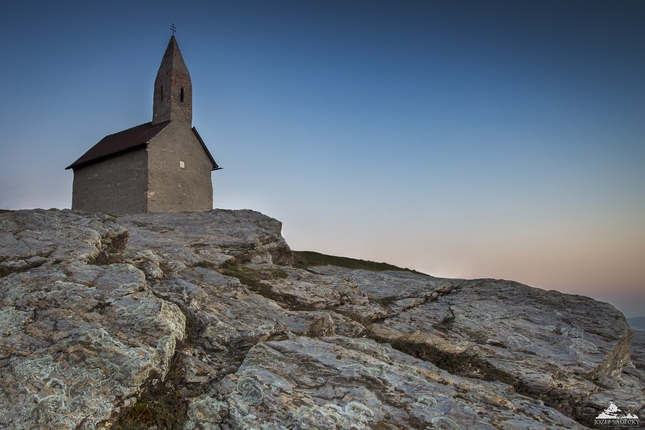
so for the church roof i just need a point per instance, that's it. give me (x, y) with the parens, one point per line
(172, 60)
(118, 143)
(128, 140)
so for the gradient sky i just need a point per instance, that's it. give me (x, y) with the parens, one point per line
(472, 139)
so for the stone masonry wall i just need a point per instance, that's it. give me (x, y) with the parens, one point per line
(115, 186)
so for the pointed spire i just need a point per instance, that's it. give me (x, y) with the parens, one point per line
(173, 93)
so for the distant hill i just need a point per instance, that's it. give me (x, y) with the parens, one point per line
(637, 323)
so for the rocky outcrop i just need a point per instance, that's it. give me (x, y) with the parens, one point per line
(200, 320)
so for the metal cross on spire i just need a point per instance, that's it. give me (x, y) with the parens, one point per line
(173, 28)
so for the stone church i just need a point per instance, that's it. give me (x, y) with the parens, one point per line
(159, 166)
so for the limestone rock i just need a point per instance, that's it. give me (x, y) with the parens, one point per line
(101, 316)
(79, 340)
(558, 348)
(358, 383)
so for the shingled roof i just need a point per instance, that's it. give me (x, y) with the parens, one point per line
(125, 141)
(118, 143)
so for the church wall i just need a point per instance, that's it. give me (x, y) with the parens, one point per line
(116, 186)
(179, 172)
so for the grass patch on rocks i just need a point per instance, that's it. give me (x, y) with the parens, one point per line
(161, 404)
(253, 278)
(456, 364)
(306, 259)
(246, 275)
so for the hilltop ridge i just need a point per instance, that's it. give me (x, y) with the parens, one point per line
(210, 320)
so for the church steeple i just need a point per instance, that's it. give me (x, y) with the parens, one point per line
(173, 94)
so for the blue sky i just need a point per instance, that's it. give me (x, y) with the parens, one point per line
(500, 139)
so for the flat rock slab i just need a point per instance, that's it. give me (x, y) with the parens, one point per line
(338, 382)
(555, 347)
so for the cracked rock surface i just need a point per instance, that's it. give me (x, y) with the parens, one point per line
(206, 311)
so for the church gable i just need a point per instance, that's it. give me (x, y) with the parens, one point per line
(179, 171)
(206, 151)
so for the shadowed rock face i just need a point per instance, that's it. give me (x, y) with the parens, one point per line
(101, 316)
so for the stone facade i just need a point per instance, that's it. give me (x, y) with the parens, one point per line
(179, 172)
(99, 187)
(161, 166)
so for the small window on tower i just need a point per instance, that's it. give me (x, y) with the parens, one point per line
(181, 95)
(161, 92)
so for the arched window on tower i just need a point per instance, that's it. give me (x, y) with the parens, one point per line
(181, 94)
(161, 92)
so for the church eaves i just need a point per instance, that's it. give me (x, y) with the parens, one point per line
(119, 143)
(129, 140)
